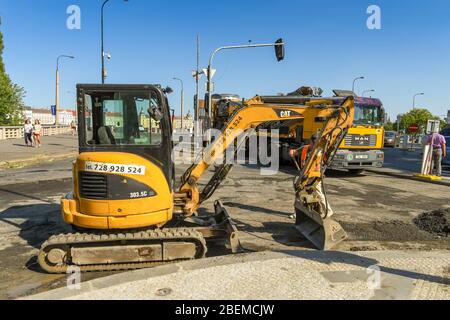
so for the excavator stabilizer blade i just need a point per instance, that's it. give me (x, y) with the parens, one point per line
(324, 234)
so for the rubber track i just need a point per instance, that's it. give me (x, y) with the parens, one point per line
(65, 241)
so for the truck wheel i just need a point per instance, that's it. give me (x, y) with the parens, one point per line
(356, 172)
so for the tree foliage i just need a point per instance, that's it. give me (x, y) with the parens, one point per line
(390, 126)
(11, 96)
(418, 116)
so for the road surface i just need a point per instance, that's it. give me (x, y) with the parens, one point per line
(377, 211)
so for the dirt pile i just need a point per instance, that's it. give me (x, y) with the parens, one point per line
(435, 222)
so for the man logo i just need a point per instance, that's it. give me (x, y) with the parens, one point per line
(362, 138)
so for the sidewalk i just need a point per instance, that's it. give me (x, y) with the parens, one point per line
(14, 153)
(404, 164)
(292, 275)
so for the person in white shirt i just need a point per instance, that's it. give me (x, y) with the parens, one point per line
(28, 132)
(37, 133)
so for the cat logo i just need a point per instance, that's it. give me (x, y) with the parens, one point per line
(285, 114)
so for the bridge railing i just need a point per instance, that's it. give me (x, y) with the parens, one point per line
(18, 132)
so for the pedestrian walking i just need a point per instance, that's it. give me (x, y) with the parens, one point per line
(37, 133)
(73, 126)
(28, 132)
(438, 143)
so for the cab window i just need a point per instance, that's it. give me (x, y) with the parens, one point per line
(122, 118)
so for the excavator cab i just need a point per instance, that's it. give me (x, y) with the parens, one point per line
(125, 154)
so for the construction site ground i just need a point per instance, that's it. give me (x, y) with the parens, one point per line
(378, 212)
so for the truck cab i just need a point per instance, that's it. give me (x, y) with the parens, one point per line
(362, 147)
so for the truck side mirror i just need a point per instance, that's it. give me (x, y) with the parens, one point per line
(279, 49)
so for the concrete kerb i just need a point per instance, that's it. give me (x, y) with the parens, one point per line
(409, 177)
(20, 163)
(137, 275)
(322, 264)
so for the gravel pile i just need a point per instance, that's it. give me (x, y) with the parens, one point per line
(435, 222)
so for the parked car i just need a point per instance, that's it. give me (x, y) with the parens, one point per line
(446, 132)
(389, 139)
(446, 160)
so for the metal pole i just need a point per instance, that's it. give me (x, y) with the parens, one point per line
(414, 99)
(102, 37)
(197, 81)
(182, 101)
(366, 91)
(198, 126)
(102, 44)
(209, 85)
(182, 106)
(354, 81)
(57, 96)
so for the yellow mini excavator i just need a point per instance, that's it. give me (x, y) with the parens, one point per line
(124, 209)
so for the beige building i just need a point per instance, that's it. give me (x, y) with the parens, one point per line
(46, 118)
(188, 123)
(147, 123)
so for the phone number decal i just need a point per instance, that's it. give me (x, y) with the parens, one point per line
(114, 168)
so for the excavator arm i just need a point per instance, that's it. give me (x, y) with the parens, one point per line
(312, 210)
(338, 118)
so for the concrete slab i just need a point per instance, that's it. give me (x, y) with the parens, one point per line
(297, 274)
(14, 153)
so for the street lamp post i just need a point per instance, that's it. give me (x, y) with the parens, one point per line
(197, 74)
(367, 91)
(399, 119)
(57, 86)
(280, 56)
(103, 50)
(197, 79)
(354, 81)
(414, 99)
(182, 101)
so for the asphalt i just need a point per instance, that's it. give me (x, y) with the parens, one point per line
(292, 275)
(402, 164)
(405, 164)
(376, 211)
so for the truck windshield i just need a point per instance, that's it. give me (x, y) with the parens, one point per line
(121, 118)
(368, 115)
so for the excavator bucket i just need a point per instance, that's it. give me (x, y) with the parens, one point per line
(323, 233)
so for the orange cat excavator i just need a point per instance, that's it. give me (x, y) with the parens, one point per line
(124, 208)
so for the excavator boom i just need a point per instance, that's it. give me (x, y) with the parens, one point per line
(313, 219)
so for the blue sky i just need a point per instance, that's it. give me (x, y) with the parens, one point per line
(327, 45)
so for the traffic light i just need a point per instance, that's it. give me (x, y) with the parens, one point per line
(279, 49)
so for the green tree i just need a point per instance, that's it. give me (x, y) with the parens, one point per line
(417, 116)
(390, 126)
(11, 96)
